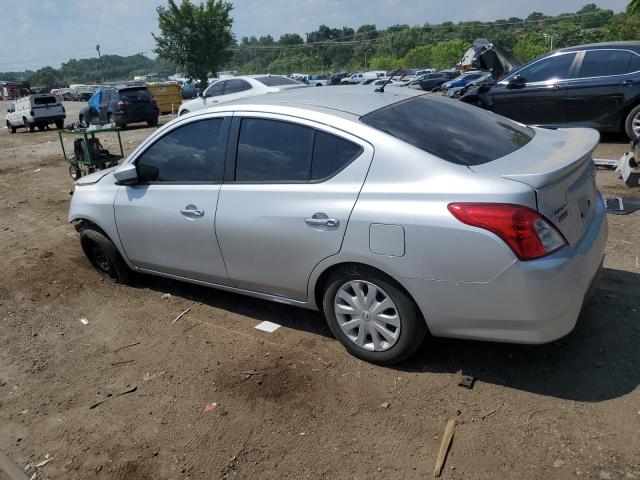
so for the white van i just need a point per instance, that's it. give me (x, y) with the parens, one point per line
(38, 110)
(362, 76)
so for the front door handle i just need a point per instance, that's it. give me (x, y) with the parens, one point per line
(192, 212)
(322, 220)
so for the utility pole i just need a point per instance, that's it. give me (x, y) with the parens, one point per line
(100, 58)
(548, 36)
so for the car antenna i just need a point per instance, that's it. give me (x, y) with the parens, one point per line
(381, 89)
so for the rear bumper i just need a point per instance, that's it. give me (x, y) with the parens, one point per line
(47, 119)
(530, 302)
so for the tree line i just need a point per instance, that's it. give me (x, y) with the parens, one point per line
(210, 46)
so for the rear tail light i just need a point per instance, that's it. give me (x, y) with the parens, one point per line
(63, 110)
(122, 105)
(524, 230)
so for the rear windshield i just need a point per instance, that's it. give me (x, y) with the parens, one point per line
(44, 100)
(450, 129)
(135, 94)
(276, 81)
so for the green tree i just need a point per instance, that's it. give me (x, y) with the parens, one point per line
(195, 37)
(45, 77)
(634, 7)
(448, 53)
(418, 57)
(526, 49)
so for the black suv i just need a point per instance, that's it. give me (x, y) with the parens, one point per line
(595, 86)
(121, 105)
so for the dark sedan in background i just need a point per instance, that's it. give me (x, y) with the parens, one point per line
(595, 86)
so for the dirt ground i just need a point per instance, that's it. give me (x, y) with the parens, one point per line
(306, 409)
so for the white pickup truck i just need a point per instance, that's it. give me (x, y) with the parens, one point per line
(38, 110)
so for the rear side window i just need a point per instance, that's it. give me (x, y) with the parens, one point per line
(44, 100)
(236, 86)
(451, 130)
(269, 150)
(634, 64)
(135, 94)
(275, 151)
(331, 154)
(550, 68)
(186, 154)
(276, 81)
(602, 63)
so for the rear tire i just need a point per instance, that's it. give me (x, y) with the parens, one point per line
(184, 112)
(104, 256)
(59, 124)
(632, 123)
(153, 122)
(30, 127)
(401, 340)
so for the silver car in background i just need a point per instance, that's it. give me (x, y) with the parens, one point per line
(395, 213)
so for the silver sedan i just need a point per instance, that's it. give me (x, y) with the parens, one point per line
(395, 213)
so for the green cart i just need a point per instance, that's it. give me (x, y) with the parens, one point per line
(88, 154)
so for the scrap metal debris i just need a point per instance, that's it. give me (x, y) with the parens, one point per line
(622, 206)
(466, 381)
(209, 407)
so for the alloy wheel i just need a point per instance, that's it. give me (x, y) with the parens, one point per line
(635, 124)
(367, 315)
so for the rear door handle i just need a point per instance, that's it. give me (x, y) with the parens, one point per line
(322, 220)
(629, 82)
(192, 211)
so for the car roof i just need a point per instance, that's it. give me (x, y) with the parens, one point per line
(347, 100)
(631, 45)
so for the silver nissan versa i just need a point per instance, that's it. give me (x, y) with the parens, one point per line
(392, 212)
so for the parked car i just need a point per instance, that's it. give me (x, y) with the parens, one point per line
(462, 80)
(336, 78)
(190, 90)
(317, 80)
(237, 88)
(38, 110)
(457, 92)
(121, 106)
(281, 197)
(433, 80)
(594, 86)
(362, 76)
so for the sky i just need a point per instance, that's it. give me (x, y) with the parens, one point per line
(36, 33)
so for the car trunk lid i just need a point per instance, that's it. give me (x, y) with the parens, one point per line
(557, 164)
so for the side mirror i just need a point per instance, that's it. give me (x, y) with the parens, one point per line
(516, 81)
(127, 174)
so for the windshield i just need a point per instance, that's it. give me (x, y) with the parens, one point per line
(135, 94)
(276, 81)
(44, 100)
(449, 129)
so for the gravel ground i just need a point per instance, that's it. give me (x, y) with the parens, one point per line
(305, 409)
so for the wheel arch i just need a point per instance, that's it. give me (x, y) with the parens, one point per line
(627, 110)
(82, 221)
(318, 287)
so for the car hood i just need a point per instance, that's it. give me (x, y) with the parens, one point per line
(491, 58)
(94, 177)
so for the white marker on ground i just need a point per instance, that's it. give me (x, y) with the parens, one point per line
(268, 326)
